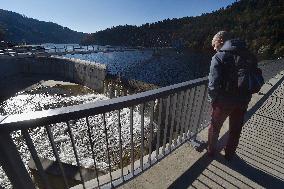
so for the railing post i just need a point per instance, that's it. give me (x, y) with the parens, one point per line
(196, 142)
(12, 163)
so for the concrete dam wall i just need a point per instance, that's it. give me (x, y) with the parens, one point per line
(18, 73)
(86, 73)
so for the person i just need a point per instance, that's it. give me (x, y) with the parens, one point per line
(228, 99)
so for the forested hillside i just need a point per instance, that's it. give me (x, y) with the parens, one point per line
(259, 22)
(17, 28)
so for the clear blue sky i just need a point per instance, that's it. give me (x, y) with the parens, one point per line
(94, 15)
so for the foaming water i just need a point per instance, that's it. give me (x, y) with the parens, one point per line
(43, 98)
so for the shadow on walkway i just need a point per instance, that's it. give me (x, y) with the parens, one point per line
(237, 164)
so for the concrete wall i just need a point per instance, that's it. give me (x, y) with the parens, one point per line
(8, 67)
(82, 72)
(90, 74)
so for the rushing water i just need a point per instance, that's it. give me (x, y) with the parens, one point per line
(44, 97)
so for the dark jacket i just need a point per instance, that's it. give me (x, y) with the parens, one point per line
(227, 67)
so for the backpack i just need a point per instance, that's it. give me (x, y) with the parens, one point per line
(242, 77)
(255, 80)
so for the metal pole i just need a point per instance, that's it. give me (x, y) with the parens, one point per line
(75, 153)
(194, 141)
(159, 128)
(201, 109)
(12, 164)
(142, 136)
(166, 124)
(30, 144)
(54, 149)
(178, 115)
(108, 154)
(120, 145)
(152, 103)
(92, 149)
(131, 140)
(173, 114)
(184, 113)
(188, 122)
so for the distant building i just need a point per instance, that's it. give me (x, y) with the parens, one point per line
(5, 45)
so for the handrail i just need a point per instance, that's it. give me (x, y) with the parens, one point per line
(45, 117)
(171, 127)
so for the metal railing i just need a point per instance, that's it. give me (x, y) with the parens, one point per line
(129, 133)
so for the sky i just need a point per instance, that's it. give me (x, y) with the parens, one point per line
(90, 16)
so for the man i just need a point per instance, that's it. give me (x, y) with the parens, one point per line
(228, 65)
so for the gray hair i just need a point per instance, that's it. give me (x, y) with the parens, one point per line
(224, 35)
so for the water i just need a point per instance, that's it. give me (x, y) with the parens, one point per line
(44, 97)
(145, 65)
(117, 62)
(50, 47)
(161, 69)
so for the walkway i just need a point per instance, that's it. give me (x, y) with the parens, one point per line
(260, 155)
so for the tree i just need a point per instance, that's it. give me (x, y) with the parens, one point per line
(17, 27)
(258, 22)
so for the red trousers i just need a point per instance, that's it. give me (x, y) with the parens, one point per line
(220, 111)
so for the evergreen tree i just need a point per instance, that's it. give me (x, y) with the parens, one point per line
(19, 28)
(259, 22)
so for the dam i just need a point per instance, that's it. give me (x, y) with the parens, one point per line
(182, 112)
